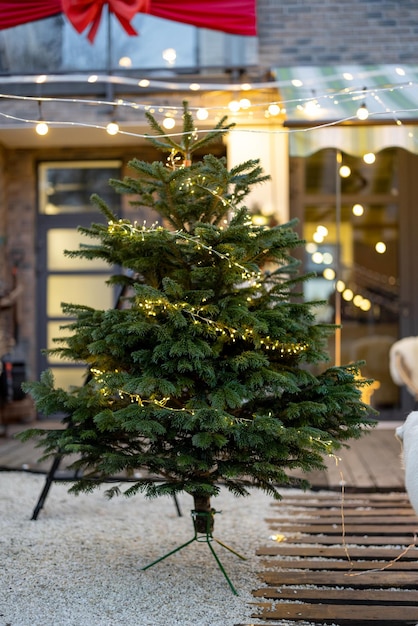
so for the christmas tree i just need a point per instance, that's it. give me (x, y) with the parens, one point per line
(213, 370)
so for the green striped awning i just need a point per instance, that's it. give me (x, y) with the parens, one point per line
(321, 103)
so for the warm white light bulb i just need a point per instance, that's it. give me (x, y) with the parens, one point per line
(329, 273)
(345, 171)
(274, 109)
(380, 247)
(202, 114)
(234, 106)
(42, 128)
(369, 158)
(112, 128)
(362, 112)
(357, 210)
(348, 295)
(169, 123)
(322, 230)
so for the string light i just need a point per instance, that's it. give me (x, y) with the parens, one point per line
(169, 123)
(362, 111)
(41, 127)
(112, 128)
(269, 108)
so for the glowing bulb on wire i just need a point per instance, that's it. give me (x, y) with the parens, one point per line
(169, 123)
(42, 128)
(362, 112)
(112, 128)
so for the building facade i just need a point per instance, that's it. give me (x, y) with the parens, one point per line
(49, 71)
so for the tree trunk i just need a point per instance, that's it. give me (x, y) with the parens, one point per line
(203, 515)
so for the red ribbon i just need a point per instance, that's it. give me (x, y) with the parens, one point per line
(88, 13)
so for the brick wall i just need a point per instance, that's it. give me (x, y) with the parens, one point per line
(321, 32)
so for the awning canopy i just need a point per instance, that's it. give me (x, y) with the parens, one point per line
(321, 106)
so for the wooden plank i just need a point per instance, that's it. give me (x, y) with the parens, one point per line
(339, 579)
(361, 615)
(372, 553)
(350, 539)
(351, 512)
(341, 596)
(314, 499)
(330, 564)
(351, 529)
(314, 520)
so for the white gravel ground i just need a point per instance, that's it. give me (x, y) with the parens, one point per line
(79, 563)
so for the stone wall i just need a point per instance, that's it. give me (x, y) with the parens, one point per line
(322, 32)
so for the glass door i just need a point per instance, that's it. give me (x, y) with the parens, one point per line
(64, 205)
(349, 210)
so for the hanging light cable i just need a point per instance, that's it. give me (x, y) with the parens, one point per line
(41, 127)
(363, 111)
(113, 127)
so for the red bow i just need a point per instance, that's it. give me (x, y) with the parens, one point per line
(84, 13)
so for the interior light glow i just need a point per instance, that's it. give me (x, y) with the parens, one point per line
(344, 171)
(357, 210)
(322, 230)
(369, 158)
(169, 55)
(380, 247)
(125, 62)
(317, 237)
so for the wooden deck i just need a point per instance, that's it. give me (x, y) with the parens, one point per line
(341, 560)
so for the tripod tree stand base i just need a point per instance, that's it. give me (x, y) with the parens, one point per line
(206, 537)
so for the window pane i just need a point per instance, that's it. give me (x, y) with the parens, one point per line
(84, 290)
(60, 239)
(66, 377)
(67, 187)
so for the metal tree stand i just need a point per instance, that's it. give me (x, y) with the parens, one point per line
(206, 537)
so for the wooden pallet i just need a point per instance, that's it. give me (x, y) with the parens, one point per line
(340, 559)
